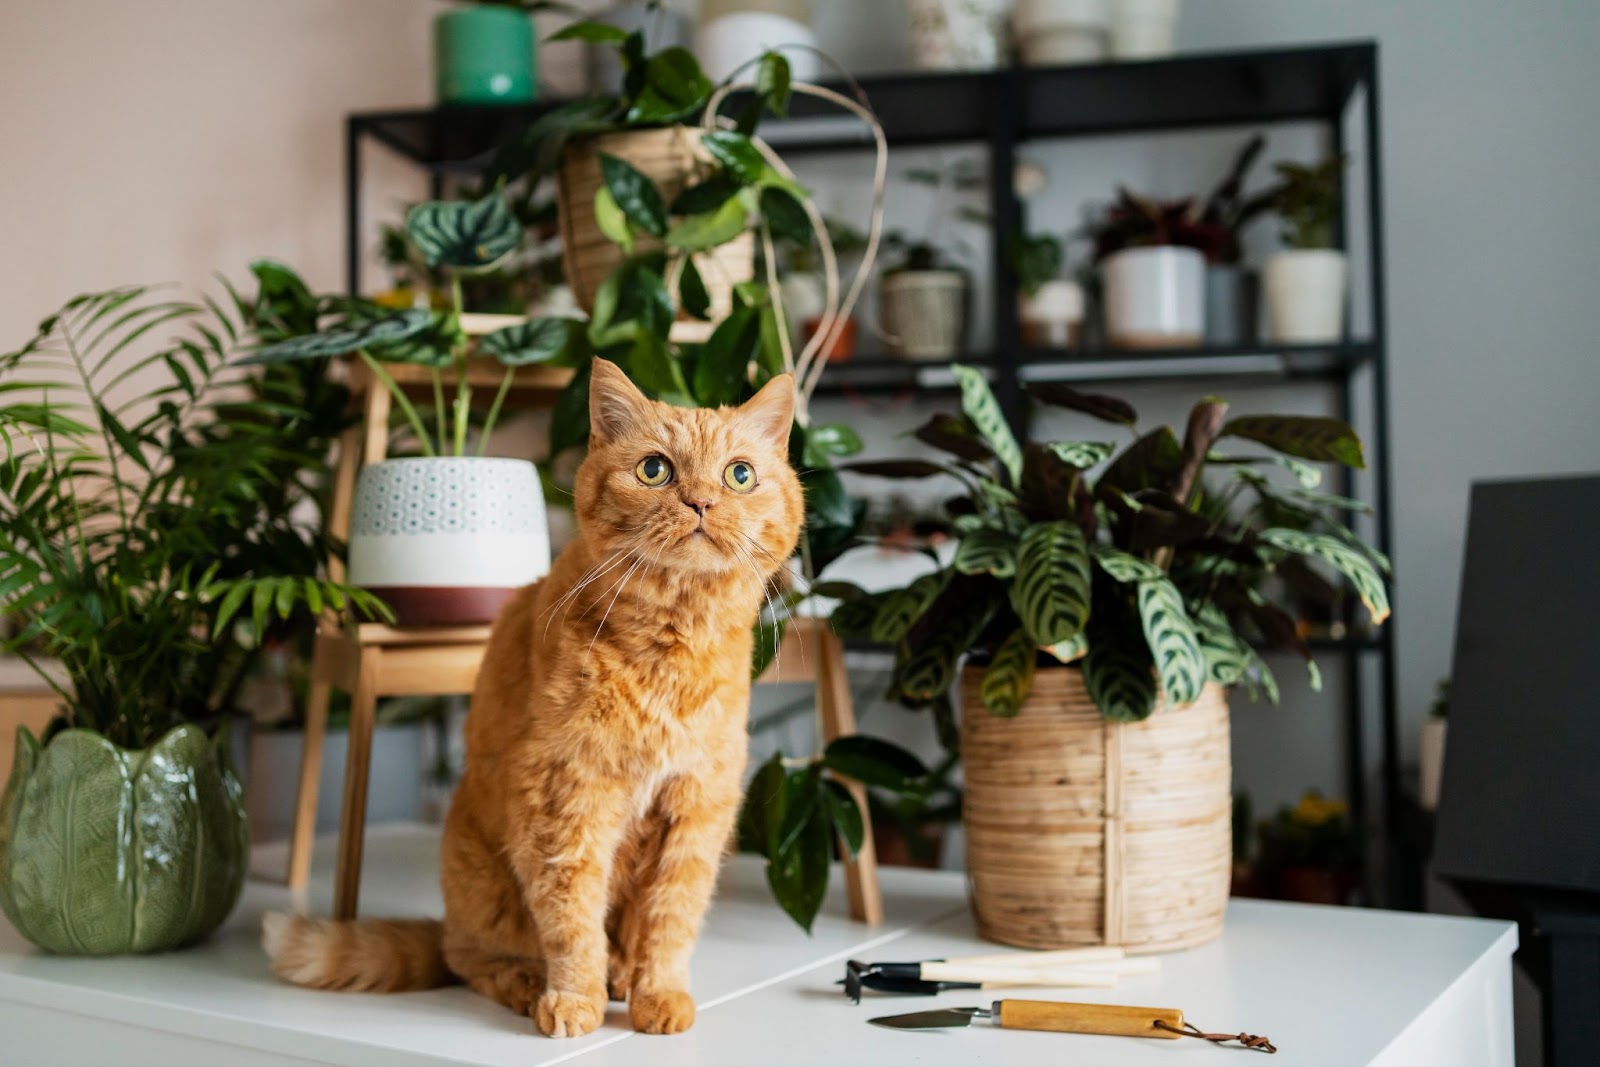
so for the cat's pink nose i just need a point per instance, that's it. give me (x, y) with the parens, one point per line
(699, 506)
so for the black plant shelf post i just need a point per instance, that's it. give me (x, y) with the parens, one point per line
(1000, 110)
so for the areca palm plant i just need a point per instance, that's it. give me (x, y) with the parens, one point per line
(152, 536)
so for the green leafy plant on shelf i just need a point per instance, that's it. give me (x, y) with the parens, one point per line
(1035, 259)
(1316, 832)
(1149, 574)
(148, 535)
(1308, 199)
(460, 238)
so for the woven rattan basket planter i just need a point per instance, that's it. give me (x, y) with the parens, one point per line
(671, 158)
(1083, 832)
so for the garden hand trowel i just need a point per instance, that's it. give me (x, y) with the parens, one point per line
(1061, 1017)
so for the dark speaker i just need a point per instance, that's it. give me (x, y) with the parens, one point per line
(1519, 803)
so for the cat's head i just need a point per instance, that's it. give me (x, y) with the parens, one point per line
(700, 489)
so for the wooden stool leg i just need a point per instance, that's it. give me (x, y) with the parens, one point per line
(838, 720)
(358, 761)
(305, 802)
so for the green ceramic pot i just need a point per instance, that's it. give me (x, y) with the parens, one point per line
(106, 850)
(483, 54)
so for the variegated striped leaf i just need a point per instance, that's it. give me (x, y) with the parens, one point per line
(1171, 637)
(1051, 592)
(1082, 454)
(1226, 655)
(464, 234)
(1346, 560)
(905, 607)
(1009, 677)
(854, 618)
(978, 401)
(1124, 566)
(987, 551)
(924, 673)
(1071, 650)
(350, 337)
(1121, 685)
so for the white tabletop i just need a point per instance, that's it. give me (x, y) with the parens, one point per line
(1329, 985)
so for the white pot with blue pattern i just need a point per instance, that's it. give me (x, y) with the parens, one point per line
(448, 540)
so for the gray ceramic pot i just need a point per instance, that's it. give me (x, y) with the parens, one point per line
(1232, 303)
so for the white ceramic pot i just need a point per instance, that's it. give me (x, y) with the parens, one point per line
(924, 313)
(1143, 29)
(1050, 317)
(1051, 32)
(1305, 290)
(1433, 735)
(727, 42)
(1155, 297)
(447, 541)
(958, 34)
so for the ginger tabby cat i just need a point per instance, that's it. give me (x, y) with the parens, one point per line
(606, 744)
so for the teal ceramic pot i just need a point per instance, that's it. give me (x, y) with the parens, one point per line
(105, 850)
(483, 54)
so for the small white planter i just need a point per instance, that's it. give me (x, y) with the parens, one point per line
(447, 541)
(1155, 297)
(958, 34)
(1433, 735)
(1305, 290)
(924, 313)
(1052, 32)
(1143, 29)
(727, 42)
(1050, 317)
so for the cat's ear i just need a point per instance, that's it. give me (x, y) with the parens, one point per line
(616, 406)
(770, 412)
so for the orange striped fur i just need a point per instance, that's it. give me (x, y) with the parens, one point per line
(606, 744)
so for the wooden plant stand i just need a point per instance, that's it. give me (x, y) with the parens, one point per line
(370, 660)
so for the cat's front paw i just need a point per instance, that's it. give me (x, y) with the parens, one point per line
(671, 1012)
(562, 1014)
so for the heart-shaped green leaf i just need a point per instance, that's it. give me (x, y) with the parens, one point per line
(696, 233)
(738, 154)
(874, 762)
(544, 340)
(635, 193)
(610, 219)
(464, 234)
(785, 216)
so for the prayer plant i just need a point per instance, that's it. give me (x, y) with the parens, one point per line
(1152, 575)
(148, 498)
(460, 238)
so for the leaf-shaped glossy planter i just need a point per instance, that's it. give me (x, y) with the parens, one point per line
(106, 850)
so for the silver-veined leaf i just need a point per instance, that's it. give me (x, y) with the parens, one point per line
(342, 340)
(1120, 683)
(1345, 559)
(1051, 592)
(1173, 643)
(979, 404)
(465, 234)
(1009, 676)
(987, 551)
(534, 341)
(1124, 566)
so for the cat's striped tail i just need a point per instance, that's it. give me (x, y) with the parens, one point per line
(357, 956)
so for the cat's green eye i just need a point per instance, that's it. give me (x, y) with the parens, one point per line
(739, 476)
(654, 471)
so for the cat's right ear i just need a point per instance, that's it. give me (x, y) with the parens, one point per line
(616, 406)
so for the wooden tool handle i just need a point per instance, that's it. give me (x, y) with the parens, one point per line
(1087, 954)
(1115, 1019)
(1032, 976)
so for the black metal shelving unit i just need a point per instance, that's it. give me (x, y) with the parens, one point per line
(1000, 111)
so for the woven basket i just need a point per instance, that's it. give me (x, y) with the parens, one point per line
(671, 158)
(924, 313)
(1082, 831)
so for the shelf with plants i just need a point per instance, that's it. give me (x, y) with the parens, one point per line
(1326, 85)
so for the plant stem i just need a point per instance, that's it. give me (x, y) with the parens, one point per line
(494, 409)
(400, 398)
(439, 421)
(463, 394)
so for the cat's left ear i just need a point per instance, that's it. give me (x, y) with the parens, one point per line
(770, 412)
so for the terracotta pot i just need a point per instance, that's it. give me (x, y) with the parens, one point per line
(895, 849)
(1317, 885)
(844, 343)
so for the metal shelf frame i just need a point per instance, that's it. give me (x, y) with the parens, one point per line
(1002, 110)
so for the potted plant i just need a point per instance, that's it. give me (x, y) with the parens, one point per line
(150, 539)
(733, 30)
(1143, 29)
(445, 537)
(1306, 284)
(1092, 626)
(483, 51)
(804, 288)
(1434, 732)
(1152, 257)
(1050, 307)
(959, 34)
(1051, 32)
(923, 297)
(1231, 288)
(1310, 853)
